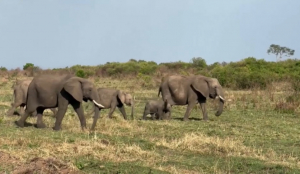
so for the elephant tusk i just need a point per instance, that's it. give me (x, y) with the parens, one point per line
(24, 107)
(221, 98)
(98, 104)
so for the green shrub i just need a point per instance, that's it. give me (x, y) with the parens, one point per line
(80, 73)
(3, 68)
(28, 65)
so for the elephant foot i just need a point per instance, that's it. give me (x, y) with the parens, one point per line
(19, 123)
(185, 119)
(56, 128)
(41, 125)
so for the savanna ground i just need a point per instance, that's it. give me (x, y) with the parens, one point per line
(258, 132)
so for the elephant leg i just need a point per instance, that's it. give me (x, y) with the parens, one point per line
(77, 106)
(122, 110)
(22, 109)
(189, 108)
(203, 108)
(54, 111)
(21, 121)
(39, 122)
(146, 112)
(153, 116)
(62, 109)
(10, 112)
(112, 109)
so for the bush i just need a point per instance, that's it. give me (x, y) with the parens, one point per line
(3, 68)
(28, 65)
(80, 73)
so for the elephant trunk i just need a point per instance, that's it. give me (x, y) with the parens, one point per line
(221, 102)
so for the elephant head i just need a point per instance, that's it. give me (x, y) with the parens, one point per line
(127, 99)
(83, 89)
(209, 87)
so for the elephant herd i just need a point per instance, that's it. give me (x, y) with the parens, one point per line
(58, 91)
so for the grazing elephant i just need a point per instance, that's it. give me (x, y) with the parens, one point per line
(112, 98)
(50, 91)
(20, 92)
(190, 90)
(158, 108)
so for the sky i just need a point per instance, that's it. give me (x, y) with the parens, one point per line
(56, 34)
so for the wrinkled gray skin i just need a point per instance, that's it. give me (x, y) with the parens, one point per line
(112, 98)
(158, 109)
(50, 91)
(20, 92)
(190, 90)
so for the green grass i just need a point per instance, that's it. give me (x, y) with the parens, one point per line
(249, 137)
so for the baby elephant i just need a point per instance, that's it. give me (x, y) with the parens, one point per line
(158, 109)
(114, 98)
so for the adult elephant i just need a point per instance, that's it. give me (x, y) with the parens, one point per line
(20, 92)
(112, 98)
(190, 90)
(50, 91)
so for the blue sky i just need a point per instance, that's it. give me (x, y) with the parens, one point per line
(55, 33)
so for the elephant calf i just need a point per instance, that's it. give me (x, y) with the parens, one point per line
(112, 98)
(20, 92)
(158, 108)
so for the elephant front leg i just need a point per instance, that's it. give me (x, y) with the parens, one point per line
(21, 121)
(112, 109)
(59, 116)
(39, 122)
(189, 108)
(122, 110)
(54, 111)
(22, 110)
(203, 108)
(10, 112)
(79, 110)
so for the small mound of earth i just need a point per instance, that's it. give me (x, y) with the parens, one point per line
(36, 165)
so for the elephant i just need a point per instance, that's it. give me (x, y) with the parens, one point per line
(158, 108)
(190, 90)
(20, 92)
(111, 98)
(50, 91)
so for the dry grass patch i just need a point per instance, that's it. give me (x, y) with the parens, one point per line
(226, 147)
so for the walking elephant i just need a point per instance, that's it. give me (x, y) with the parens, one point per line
(20, 92)
(190, 90)
(50, 91)
(158, 109)
(112, 98)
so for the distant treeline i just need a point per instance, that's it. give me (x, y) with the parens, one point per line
(244, 74)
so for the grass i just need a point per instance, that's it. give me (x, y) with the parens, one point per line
(251, 136)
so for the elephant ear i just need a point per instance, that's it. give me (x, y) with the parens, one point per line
(201, 85)
(121, 96)
(73, 87)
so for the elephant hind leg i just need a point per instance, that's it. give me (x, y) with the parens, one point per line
(39, 122)
(189, 108)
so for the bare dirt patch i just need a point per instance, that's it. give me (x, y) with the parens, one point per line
(36, 165)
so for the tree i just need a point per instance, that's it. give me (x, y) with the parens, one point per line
(28, 65)
(280, 51)
(199, 62)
